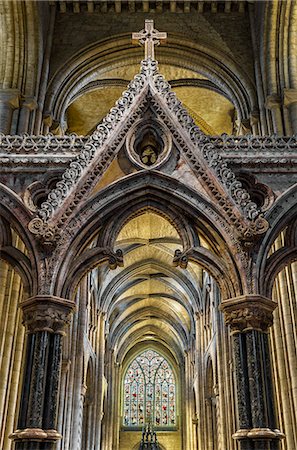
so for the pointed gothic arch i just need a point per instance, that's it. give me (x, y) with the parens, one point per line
(282, 214)
(160, 191)
(149, 384)
(72, 79)
(227, 251)
(14, 217)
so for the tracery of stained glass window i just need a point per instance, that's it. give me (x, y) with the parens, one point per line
(149, 391)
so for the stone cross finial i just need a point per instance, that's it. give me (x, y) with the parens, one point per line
(149, 37)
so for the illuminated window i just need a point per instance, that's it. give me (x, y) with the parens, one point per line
(149, 391)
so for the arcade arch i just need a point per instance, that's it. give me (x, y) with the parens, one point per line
(148, 303)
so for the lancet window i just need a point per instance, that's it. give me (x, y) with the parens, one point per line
(149, 391)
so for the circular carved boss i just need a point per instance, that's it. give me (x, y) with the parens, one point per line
(148, 144)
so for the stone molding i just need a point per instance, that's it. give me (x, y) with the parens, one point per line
(101, 147)
(254, 118)
(248, 143)
(10, 97)
(247, 146)
(33, 145)
(273, 101)
(258, 433)
(154, 6)
(47, 313)
(29, 102)
(248, 312)
(35, 434)
(290, 97)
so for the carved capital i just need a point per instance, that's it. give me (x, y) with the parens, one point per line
(253, 231)
(273, 101)
(10, 97)
(45, 232)
(290, 96)
(115, 259)
(180, 259)
(47, 313)
(35, 434)
(29, 103)
(258, 433)
(48, 119)
(248, 312)
(58, 127)
(254, 118)
(65, 365)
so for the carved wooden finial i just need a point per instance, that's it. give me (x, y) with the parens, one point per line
(149, 37)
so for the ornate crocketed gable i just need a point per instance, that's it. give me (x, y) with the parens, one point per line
(148, 88)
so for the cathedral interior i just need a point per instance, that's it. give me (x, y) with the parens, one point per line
(148, 225)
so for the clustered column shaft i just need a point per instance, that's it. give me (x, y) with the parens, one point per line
(45, 318)
(249, 318)
(9, 101)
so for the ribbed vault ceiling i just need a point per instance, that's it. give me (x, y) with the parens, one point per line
(148, 298)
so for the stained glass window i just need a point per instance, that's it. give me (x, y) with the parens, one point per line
(149, 391)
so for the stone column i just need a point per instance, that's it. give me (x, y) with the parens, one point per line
(61, 423)
(249, 317)
(45, 318)
(254, 122)
(243, 127)
(47, 123)
(99, 382)
(9, 101)
(290, 101)
(273, 103)
(29, 104)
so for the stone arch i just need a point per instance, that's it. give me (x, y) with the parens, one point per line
(79, 71)
(15, 216)
(160, 191)
(118, 285)
(168, 356)
(182, 226)
(16, 274)
(137, 337)
(282, 214)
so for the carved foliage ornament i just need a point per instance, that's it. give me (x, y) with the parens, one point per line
(249, 318)
(72, 175)
(214, 160)
(47, 313)
(148, 76)
(249, 312)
